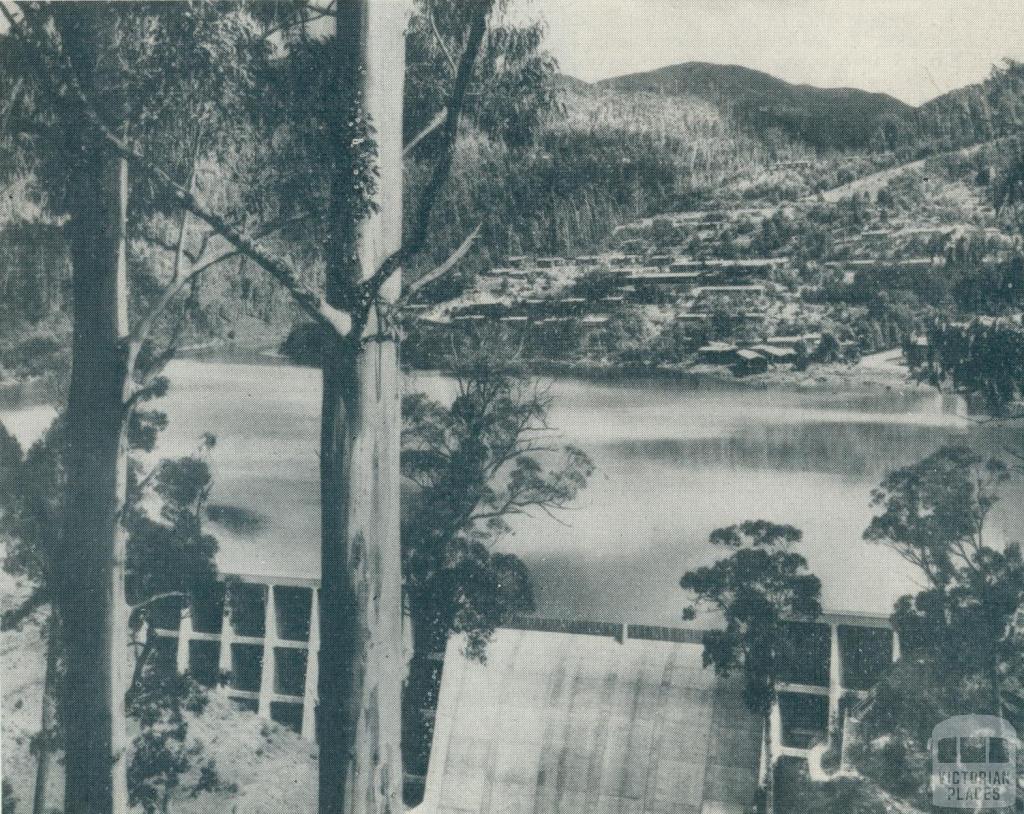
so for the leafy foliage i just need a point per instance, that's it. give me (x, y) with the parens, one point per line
(965, 620)
(756, 588)
(160, 73)
(9, 803)
(172, 554)
(983, 359)
(933, 512)
(169, 558)
(960, 635)
(474, 464)
(894, 731)
(32, 500)
(514, 88)
(849, 795)
(163, 756)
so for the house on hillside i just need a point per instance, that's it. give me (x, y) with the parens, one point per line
(684, 280)
(776, 354)
(491, 310)
(749, 362)
(717, 353)
(570, 306)
(681, 266)
(729, 290)
(660, 259)
(811, 340)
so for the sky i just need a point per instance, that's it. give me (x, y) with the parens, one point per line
(912, 49)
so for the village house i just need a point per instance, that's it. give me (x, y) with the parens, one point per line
(749, 362)
(717, 353)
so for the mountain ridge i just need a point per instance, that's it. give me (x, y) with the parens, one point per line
(827, 118)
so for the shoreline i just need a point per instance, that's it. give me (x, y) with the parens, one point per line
(837, 376)
(887, 375)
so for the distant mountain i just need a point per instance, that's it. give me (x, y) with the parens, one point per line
(838, 118)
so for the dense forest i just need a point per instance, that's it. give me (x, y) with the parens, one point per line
(971, 115)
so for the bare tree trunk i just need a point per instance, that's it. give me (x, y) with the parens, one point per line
(91, 592)
(769, 778)
(361, 660)
(48, 717)
(420, 700)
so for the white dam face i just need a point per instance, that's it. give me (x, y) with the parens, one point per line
(576, 723)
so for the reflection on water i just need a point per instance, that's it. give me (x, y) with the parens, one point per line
(675, 461)
(855, 450)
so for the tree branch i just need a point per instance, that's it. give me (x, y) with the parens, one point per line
(319, 13)
(440, 42)
(444, 268)
(442, 168)
(312, 302)
(15, 616)
(179, 281)
(138, 335)
(432, 125)
(140, 665)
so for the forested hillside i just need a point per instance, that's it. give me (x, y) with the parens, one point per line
(840, 118)
(974, 114)
(601, 158)
(562, 176)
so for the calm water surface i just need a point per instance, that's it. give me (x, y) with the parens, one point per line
(674, 462)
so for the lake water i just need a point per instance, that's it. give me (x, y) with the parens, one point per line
(674, 461)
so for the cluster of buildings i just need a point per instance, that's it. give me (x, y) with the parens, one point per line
(673, 263)
(589, 290)
(777, 351)
(899, 247)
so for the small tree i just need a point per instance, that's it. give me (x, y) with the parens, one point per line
(476, 463)
(959, 635)
(169, 557)
(933, 512)
(757, 588)
(983, 361)
(933, 515)
(829, 350)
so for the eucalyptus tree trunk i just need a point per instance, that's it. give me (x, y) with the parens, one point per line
(48, 717)
(361, 661)
(429, 639)
(91, 596)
